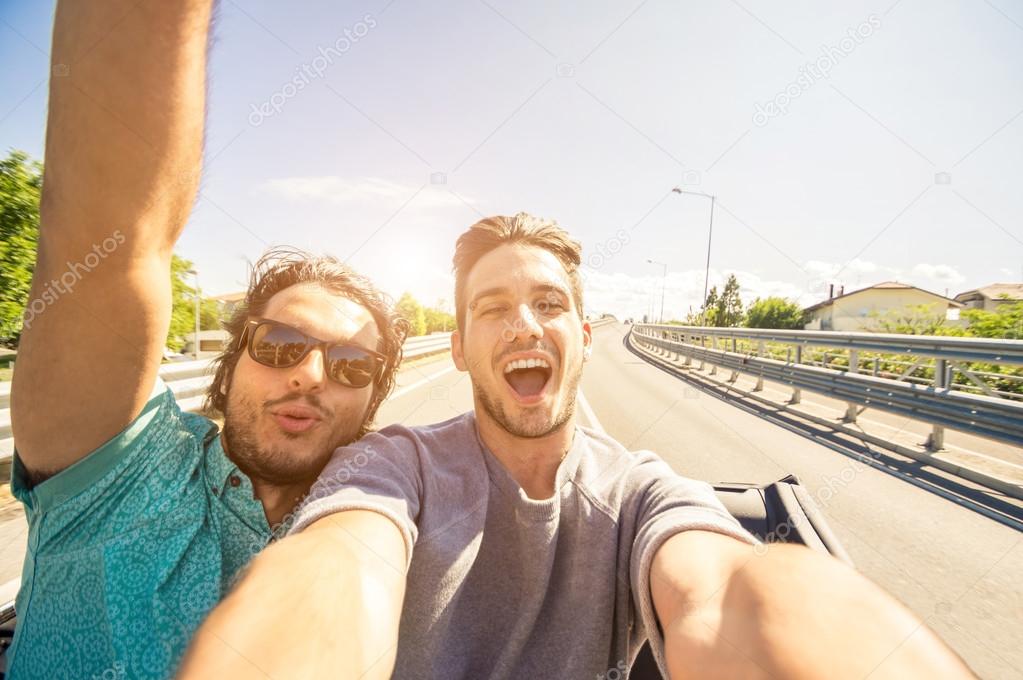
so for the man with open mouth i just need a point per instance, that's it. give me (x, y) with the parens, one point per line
(511, 543)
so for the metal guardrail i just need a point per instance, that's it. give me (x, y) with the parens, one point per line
(994, 417)
(188, 381)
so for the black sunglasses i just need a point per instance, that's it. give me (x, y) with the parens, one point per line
(278, 345)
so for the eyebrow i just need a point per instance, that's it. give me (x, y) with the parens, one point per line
(504, 290)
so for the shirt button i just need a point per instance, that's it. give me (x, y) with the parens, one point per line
(215, 490)
(235, 481)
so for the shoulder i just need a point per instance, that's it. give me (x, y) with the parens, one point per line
(604, 461)
(611, 472)
(439, 442)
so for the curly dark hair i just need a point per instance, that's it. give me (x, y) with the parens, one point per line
(283, 267)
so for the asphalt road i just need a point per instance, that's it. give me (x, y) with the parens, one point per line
(956, 568)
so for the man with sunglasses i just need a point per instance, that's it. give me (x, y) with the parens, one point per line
(510, 543)
(141, 516)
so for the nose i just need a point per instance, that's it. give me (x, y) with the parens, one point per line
(308, 375)
(525, 324)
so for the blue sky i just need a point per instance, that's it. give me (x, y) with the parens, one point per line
(387, 128)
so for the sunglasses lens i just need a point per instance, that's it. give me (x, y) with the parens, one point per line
(351, 366)
(277, 345)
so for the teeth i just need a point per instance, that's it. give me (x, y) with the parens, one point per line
(526, 363)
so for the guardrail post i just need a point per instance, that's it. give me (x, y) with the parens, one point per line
(797, 394)
(854, 361)
(877, 366)
(936, 440)
(940, 373)
(850, 413)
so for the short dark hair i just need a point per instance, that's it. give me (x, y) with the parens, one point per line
(491, 232)
(282, 267)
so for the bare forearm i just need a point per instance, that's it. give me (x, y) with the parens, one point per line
(123, 151)
(324, 603)
(125, 127)
(795, 614)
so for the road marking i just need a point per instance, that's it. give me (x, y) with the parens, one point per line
(420, 383)
(591, 417)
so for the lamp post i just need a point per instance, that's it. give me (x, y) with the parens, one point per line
(664, 275)
(710, 234)
(195, 348)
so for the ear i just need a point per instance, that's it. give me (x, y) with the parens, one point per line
(587, 340)
(456, 351)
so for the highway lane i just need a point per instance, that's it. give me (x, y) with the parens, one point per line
(954, 567)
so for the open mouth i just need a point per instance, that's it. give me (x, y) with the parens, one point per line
(528, 377)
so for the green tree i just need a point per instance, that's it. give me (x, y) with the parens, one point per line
(182, 304)
(1006, 321)
(437, 320)
(211, 315)
(413, 312)
(707, 313)
(775, 312)
(21, 181)
(728, 310)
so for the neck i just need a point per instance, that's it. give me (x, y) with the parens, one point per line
(532, 462)
(278, 501)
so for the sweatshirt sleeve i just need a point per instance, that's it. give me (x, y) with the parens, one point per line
(668, 504)
(379, 473)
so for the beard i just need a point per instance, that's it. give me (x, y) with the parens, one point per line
(276, 465)
(530, 425)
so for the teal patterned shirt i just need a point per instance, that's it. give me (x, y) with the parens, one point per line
(130, 548)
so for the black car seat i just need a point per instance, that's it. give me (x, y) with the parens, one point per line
(779, 512)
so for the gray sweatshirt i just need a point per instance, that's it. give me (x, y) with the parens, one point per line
(503, 586)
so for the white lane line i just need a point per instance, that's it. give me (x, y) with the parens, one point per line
(590, 415)
(420, 383)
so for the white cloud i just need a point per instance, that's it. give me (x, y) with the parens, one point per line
(944, 273)
(334, 189)
(633, 296)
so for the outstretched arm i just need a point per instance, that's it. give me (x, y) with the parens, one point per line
(324, 603)
(123, 155)
(728, 612)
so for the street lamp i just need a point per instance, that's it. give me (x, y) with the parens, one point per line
(710, 233)
(664, 275)
(195, 348)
